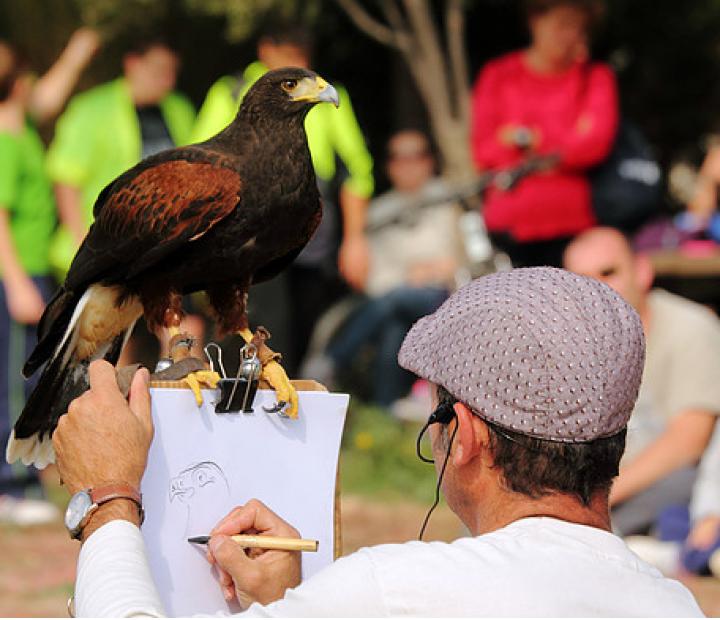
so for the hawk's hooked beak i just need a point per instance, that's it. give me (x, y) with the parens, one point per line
(178, 489)
(316, 90)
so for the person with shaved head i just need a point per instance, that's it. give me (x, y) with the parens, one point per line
(679, 397)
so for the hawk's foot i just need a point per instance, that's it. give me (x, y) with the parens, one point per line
(272, 372)
(286, 394)
(191, 371)
(199, 379)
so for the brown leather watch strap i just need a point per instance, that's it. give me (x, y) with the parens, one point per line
(115, 490)
(102, 494)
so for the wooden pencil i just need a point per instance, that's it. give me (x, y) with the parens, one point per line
(265, 542)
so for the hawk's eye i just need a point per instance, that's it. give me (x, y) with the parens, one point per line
(288, 85)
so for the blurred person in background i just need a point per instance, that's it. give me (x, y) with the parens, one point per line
(679, 397)
(704, 202)
(701, 219)
(546, 100)
(686, 537)
(313, 283)
(110, 128)
(414, 256)
(702, 541)
(27, 221)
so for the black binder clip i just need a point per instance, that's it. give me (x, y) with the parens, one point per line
(238, 393)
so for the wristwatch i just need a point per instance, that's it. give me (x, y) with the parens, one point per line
(84, 503)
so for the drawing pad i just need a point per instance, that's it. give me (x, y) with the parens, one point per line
(202, 464)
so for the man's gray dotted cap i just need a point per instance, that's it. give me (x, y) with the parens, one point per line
(540, 351)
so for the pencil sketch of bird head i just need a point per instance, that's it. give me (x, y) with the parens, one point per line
(205, 492)
(199, 483)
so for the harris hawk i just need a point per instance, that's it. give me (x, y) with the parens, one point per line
(216, 216)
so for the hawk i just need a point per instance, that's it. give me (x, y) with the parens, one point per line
(216, 216)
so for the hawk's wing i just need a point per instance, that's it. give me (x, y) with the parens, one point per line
(152, 210)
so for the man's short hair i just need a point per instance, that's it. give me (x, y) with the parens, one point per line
(281, 32)
(539, 467)
(142, 43)
(419, 133)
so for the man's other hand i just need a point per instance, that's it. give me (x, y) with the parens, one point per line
(104, 438)
(253, 575)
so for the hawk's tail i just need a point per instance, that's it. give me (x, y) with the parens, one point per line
(63, 379)
(59, 382)
(62, 312)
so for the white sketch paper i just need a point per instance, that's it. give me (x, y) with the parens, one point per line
(202, 464)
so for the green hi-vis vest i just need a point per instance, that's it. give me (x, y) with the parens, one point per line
(97, 138)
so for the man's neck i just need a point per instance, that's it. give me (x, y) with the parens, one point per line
(412, 190)
(138, 96)
(509, 507)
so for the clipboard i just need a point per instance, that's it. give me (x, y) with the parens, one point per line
(202, 464)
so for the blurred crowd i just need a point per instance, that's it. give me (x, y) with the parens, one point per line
(584, 187)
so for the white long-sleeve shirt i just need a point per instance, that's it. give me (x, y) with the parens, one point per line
(533, 567)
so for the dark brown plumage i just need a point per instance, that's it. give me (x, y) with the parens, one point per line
(216, 216)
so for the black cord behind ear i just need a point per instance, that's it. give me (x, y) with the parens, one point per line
(439, 483)
(443, 414)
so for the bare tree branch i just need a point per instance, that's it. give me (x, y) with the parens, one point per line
(393, 14)
(429, 45)
(398, 24)
(368, 24)
(410, 28)
(455, 32)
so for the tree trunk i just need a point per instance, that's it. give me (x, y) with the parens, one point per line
(440, 75)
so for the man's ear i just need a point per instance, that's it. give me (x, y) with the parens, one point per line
(472, 435)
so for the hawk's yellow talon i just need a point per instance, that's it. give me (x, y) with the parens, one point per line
(194, 385)
(207, 378)
(275, 375)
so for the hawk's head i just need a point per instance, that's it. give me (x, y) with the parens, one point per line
(288, 92)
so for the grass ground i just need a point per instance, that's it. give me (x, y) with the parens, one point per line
(379, 458)
(386, 492)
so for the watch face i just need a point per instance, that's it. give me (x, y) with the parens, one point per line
(77, 509)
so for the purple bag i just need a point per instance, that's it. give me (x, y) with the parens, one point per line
(661, 234)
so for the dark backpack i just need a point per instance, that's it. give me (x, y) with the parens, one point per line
(627, 187)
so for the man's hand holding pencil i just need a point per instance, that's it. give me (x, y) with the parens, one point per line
(252, 575)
